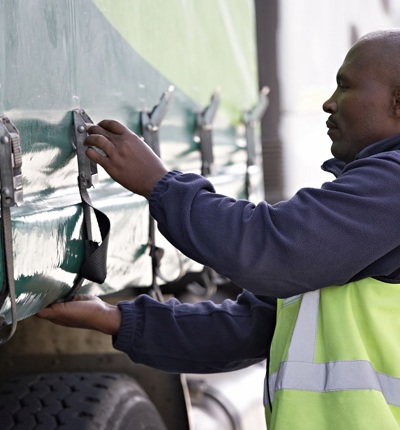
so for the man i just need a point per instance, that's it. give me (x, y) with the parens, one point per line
(331, 256)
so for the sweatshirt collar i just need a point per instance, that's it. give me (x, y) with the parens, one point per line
(335, 166)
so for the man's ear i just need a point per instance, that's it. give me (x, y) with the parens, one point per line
(396, 102)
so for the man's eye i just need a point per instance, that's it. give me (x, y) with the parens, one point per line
(342, 85)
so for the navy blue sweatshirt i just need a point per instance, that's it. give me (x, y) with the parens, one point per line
(346, 230)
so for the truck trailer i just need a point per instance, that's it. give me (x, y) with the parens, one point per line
(183, 75)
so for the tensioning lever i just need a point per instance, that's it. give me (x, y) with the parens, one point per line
(151, 121)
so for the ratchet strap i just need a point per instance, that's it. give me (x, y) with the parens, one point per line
(94, 266)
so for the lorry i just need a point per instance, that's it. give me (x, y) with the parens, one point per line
(183, 75)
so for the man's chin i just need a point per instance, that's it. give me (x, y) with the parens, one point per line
(338, 152)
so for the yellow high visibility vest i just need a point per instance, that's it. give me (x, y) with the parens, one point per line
(335, 359)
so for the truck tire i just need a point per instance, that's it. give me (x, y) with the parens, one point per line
(76, 401)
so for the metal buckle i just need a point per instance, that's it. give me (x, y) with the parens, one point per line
(87, 168)
(10, 164)
(151, 121)
(203, 134)
(251, 119)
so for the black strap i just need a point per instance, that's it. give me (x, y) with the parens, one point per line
(94, 266)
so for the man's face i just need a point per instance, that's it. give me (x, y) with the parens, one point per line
(361, 107)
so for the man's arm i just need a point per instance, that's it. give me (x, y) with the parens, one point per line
(175, 337)
(197, 338)
(344, 231)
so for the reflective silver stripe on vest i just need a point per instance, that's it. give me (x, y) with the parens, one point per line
(335, 376)
(302, 345)
(300, 372)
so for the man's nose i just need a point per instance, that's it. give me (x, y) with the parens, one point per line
(330, 105)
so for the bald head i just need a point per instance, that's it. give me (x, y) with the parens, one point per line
(381, 54)
(390, 36)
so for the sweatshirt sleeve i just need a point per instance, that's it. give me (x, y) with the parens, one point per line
(346, 230)
(196, 338)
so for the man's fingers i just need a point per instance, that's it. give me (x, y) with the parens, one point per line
(48, 312)
(113, 126)
(108, 128)
(101, 142)
(56, 308)
(83, 297)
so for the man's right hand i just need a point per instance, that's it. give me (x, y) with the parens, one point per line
(128, 159)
